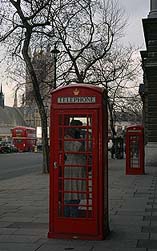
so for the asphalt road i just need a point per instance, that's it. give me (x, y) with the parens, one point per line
(17, 164)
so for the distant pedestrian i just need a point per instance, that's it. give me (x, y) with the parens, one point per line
(113, 149)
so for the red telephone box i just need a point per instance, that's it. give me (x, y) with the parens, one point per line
(135, 150)
(78, 163)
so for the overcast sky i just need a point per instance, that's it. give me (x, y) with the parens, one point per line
(135, 10)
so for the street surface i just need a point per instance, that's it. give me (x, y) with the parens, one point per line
(18, 164)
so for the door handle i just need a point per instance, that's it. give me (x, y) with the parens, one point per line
(55, 165)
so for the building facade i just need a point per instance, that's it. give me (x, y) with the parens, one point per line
(43, 65)
(9, 118)
(149, 64)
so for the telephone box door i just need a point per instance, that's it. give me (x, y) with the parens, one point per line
(75, 173)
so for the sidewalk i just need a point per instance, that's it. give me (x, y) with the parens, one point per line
(132, 214)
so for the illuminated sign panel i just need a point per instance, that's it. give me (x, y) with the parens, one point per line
(86, 99)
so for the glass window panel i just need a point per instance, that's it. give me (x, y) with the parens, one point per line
(82, 118)
(90, 172)
(73, 186)
(75, 183)
(75, 172)
(134, 152)
(89, 160)
(73, 146)
(85, 119)
(71, 205)
(135, 145)
(75, 159)
(89, 121)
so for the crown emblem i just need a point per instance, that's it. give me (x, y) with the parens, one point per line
(76, 92)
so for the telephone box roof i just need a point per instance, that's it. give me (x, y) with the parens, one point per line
(83, 85)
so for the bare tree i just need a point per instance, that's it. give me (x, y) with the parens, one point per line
(119, 75)
(86, 31)
(91, 53)
(21, 21)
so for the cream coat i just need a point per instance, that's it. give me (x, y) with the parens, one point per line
(74, 171)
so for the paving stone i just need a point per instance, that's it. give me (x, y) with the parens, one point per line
(153, 236)
(138, 194)
(133, 213)
(7, 231)
(127, 235)
(151, 209)
(152, 203)
(18, 247)
(149, 229)
(4, 224)
(150, 218)
(91, 246)
(18, 238)
(63, 248)
(147, 244)
(28, 225)
(119, 249)
(128, 220)
(16, 218)
(152, 198)
(42, 233)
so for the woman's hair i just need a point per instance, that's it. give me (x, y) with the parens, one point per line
(73, 132)
(76, 122)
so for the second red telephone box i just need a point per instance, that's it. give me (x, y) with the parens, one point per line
(135, 150)
(78, 163)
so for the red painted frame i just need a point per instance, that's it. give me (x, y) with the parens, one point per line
(95, 227)
(136, 134)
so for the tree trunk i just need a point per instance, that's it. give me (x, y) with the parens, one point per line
(38, 98)
(45, 147)
(110, 109)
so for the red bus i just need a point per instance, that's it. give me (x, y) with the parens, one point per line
(24, 138)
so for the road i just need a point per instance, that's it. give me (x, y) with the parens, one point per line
(17, 164)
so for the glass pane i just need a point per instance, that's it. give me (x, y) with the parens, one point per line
(75, 168)
(75, 185)
(74, 146)
(71, 208)
(134, 151)
(89, 160)
(89, 121)
(85, 119)
(75, 172)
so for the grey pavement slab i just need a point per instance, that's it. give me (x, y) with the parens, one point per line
(18, 247)
(149, 244)
(14, 238)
